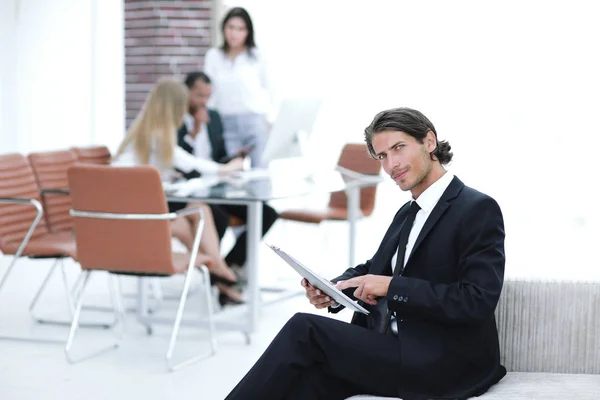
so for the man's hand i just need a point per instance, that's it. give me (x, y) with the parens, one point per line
(368, 287)
(200, 117)
(315, 296)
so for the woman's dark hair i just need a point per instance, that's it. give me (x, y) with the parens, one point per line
(411, 122)
(243, 14)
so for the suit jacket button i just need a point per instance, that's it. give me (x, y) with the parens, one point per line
(395, 297)
(406, 299)
(400, 298)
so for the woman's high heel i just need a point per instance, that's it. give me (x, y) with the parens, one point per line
(225, 300)
(214, 278)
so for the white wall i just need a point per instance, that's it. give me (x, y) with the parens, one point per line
(65, 74)
(513, 85)
(8, 69)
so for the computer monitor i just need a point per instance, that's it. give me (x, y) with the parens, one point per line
(291, 129)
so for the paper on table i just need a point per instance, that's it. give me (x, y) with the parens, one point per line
(191, 186)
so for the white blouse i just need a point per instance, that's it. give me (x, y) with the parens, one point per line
(182, 160)
(240, 85)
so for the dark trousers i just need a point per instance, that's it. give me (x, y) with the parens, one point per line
(315, 357)
(221, 214)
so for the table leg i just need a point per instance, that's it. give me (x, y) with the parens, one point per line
(254, 226)
(353, 194)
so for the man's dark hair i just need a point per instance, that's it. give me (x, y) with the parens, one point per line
(243, 14)
(192, 77)
(411, 122)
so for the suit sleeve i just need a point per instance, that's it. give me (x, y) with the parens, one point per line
(359, 270)
(364, 269)
(181, 132)
(474, 296)
(184, 161)
(216, 130)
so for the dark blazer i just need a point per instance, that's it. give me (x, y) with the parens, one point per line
(445, 299)
(215, 135)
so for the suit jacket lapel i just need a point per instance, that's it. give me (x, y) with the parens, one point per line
(181, 134)
(440, 208)
(213, 135)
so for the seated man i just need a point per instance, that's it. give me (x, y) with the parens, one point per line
(202, 135)
(431, 289)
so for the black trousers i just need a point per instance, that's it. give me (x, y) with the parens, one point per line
(315, 357)
(221, 214)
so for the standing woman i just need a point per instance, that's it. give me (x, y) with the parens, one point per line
(242, 92)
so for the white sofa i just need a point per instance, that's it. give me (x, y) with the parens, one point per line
(549, 341)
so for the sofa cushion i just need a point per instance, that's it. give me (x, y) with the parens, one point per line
(535, 386)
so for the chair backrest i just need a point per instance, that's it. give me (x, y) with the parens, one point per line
(17, 180)
(50, 169)
(93, 155)
(356, 158)
(121, 245)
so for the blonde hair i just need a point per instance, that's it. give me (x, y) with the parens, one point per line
(159, 118)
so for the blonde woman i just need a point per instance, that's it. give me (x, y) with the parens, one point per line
(151, 140)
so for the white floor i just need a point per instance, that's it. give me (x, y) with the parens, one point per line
(137, 369)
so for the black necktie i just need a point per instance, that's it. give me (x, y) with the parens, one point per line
(382, 324)
(404, 233)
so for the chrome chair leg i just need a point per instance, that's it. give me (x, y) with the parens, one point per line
(37, 295)
(176, 325)
(42, 287)
(76, 289)
(8, 270)
(75, 326)
(71, 294)
(157, 294)
(115, 296)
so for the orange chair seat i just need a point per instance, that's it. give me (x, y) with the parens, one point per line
(315, 216)
(52, 244)
(355, 158)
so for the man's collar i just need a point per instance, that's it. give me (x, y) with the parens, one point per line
(429, 198)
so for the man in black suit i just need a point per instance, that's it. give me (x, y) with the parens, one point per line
(202, 135)
(431, 289)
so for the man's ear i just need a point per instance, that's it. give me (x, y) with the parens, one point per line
(430, 141)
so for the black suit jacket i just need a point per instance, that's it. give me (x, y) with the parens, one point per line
(215, 136)
(445, 299)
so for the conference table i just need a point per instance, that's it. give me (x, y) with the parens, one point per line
(252, 189)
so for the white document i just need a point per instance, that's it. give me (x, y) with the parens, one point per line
(322, 284)
(253, 174)
(198, 186)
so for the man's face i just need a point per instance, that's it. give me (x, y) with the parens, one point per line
(404, 159)
(199, 94)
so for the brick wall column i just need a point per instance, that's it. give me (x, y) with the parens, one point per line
(162, 38)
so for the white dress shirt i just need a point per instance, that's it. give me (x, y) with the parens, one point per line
(201, 142)
(182, 160)
(427, 201)
(240, 85)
